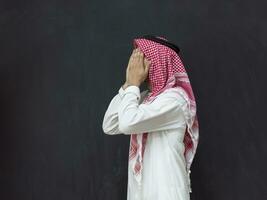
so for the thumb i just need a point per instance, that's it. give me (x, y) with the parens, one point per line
(147, 64)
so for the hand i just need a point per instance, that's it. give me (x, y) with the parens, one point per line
(137, 69)
(125, 85)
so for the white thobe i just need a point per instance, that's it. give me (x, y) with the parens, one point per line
(164, 170)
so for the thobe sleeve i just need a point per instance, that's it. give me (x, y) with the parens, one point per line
(165, 112)
(110, 124)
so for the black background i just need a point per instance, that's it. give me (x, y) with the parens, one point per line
(63, 61)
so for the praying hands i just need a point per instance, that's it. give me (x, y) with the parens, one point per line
(137, 69)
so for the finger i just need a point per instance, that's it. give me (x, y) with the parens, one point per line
(131, 57)
(135, 52)
(141, 59)
(147, 65)
(141, 54)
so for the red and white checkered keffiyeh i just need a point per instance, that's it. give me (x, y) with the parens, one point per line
(166, 71)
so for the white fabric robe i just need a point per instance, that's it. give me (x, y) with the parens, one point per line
(164, 173)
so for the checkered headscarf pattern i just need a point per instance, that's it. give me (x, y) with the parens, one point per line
(166, 71)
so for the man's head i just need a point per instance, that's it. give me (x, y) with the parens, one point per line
(165, 63)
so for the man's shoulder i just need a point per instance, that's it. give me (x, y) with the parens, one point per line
(176, 95)
(176, 91)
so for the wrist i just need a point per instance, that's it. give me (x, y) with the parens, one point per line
(125, 85)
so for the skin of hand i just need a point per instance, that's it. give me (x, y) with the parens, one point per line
(137, 69)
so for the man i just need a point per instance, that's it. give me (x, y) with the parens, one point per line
(161, 122)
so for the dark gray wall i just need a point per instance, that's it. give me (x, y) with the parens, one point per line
(63, 61)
